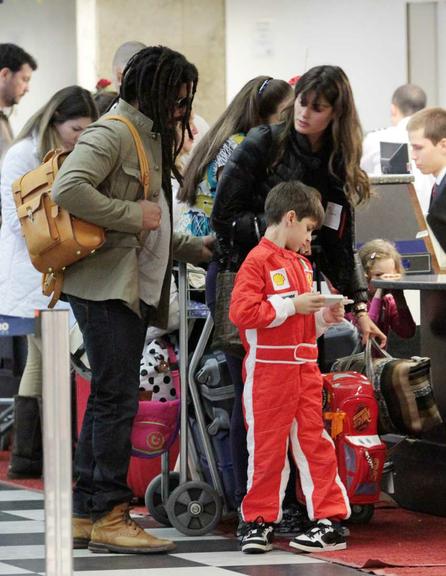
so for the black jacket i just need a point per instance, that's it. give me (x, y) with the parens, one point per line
(237, 216)
(436, 217)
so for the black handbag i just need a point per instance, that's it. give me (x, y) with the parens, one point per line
(226, 335)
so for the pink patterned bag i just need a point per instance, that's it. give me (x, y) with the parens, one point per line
(156, 423)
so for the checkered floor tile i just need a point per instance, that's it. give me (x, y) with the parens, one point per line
(22, 551)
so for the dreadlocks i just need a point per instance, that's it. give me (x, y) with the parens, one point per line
(152, 79)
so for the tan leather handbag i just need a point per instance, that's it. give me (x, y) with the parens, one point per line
(55, 239)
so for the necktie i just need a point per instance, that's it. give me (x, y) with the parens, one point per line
(434, 194)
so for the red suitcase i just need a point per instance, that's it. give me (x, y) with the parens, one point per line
(351, 417)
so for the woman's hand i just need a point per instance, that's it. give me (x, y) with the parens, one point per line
(369, 329)
(308, 303)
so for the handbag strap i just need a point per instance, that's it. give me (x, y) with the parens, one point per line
(142, 156)
(368, 358)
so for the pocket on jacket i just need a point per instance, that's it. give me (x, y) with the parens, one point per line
(132, 189)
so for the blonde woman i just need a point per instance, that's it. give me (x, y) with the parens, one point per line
(58, 124)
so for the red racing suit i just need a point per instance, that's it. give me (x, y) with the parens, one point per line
(282, 397)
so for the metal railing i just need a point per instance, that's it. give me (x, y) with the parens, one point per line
(53, 327)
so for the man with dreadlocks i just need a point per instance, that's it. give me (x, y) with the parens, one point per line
(122, 288)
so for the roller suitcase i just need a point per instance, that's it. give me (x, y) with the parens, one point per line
(217, 397)
(338, 341)
(351, 417)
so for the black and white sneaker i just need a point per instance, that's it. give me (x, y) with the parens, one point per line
(258, 538)
(323, 537)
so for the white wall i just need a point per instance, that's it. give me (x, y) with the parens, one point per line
(367, 38)
(47, 30)
(282, 38)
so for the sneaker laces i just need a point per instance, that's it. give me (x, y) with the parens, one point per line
(259, 525)
(321, 528)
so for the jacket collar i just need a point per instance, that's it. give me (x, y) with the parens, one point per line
(274, 247)
(137, 117)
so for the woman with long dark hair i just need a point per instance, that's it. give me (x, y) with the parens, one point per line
(320, 145)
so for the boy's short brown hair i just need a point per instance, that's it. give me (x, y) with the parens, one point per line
(432, 121)
(293, 195)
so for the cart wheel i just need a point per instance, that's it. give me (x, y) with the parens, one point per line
(361, 513)
(194, 508)
(153, 500)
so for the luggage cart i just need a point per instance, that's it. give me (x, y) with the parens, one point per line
(194, 507)
(182, 499)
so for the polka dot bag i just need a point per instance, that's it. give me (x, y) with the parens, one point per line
(157, 421)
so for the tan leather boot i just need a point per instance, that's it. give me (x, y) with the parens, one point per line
(82, 528)
(117, 532)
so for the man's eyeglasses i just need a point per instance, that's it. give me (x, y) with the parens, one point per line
(182, 102)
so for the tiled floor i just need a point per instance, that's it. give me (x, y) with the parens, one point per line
(22, 551)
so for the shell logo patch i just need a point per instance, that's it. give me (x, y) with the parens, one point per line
(279, 279)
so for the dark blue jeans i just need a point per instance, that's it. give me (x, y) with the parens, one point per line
(114, 338)
(239, 451)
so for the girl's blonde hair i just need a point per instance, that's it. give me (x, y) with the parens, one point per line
(379, 249)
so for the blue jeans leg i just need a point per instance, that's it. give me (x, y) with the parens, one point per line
(114, 337)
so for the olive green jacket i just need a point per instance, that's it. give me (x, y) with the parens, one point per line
(99, 182)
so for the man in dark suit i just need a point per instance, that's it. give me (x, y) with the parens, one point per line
(427, 136)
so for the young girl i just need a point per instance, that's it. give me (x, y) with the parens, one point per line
(389, 310)
(260, 101)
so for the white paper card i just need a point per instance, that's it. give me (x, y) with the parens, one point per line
(333, 215)
(422, 234)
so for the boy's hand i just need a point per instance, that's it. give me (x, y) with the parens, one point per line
(334, 314)
(308, 303)
(306, 248)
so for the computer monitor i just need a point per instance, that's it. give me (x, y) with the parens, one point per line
(391, 214)
(394, 158)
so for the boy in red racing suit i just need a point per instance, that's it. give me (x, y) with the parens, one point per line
(278, 317)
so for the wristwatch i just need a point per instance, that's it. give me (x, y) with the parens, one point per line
(360, 307)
